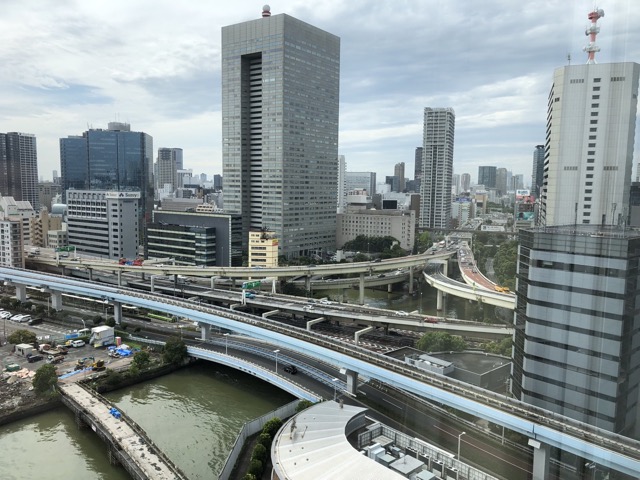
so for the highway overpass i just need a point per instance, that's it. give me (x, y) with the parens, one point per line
(544, 428)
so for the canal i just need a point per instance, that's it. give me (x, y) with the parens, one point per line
(194, 415)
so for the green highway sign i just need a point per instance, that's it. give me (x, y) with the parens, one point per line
(251, 284)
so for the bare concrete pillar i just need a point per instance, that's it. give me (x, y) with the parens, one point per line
(153, 283)
(213, 283)
(352, 382)
(205, 331)
(90, 272)
(56, 300)
(439, 300)
(120, 277)
(117, 312)
(540, 460)
(410, 279)
(362, 288)
(21, 292)
(307, 283)
(389, 287)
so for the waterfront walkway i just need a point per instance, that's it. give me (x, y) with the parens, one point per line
(127, 441)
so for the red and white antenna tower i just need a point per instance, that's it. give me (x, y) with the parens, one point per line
(591, 32)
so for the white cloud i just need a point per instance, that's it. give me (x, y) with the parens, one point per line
(70, 64)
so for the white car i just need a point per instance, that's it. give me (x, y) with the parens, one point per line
(16, 318)
(5, 314)
(402, 314)
(325, 302)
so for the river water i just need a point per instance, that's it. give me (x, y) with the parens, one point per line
(193, 415)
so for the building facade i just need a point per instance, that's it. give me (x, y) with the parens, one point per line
(263, 249)
(538, 171)
(398, 224)
(19, 167)
(167, 168)
(115, 159)
(398, 172)
(417, 169)
(487, 176)
(437, 167)
(196, 238)
(103, 223)
(576, 319)
(11, 244)
(465, 182)
(589, 144)
(361, 181)
(280, 101)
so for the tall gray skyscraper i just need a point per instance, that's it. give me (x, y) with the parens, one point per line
(280, 99)
(398, 171)
(589, 143)
(417, 170)
(437, 167)
(465, 182)
(115, 159)
(167, 167)
(538, 170)
(19, 167)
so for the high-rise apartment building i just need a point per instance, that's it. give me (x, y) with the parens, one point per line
(465, 182)
(591, 116)
(417, 171)
(19, 167)
(538, 171)
(115, 159)
(502, 180)
(342, 184)
(167, 167)
(576, 335)
(437, 167)
(398, 171)
(487, 176)
(280, 101)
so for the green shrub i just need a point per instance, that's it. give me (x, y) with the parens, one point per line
(272, 427)
(259, 453)
(255, 468)
(303, 405)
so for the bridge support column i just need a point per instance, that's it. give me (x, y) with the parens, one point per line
(389, 287)
(56, 300)
(439, 301)
(21, 292)
(540, 460)
(361, 299)
(410, 279)
(273, 285)
(117, 312)
(153, 283)
(120, 277)
(205, 331)
(352, 382)
(307, 283)
(213, 283)
(90, 272)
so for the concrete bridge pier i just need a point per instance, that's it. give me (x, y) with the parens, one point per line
(56, 300)
(117, 312)
(120, 277)
(307, 283)
(389, 287)
(540, 460)
(205, 331)
(361, 299)
(410, 279)
(90, 272)
(352, 382)
(21, 292)
(439, 301)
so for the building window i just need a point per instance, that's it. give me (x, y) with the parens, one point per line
(596, 89)
(593, 122)
(596, 80)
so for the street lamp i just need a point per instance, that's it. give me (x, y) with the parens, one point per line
(226, 348)
(276, 352)
(335, 386)
(459, 437)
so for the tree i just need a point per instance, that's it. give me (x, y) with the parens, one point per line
(175, 351)
(505, 264)
(97, 320)
(255, 468)
(503, 347)
(303, 405)
(141, 360)
(423, 242)
(22, 336)
(440, 342)
(259, 453)
(44, 380)
(272, 426)
(110, 322)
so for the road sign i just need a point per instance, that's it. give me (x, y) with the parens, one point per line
(251, 284)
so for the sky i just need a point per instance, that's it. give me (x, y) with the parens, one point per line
(67, 66)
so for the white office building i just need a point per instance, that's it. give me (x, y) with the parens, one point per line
(103, 223)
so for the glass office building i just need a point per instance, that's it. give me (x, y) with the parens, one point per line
(280, 94)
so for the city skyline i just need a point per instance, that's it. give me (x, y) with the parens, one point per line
(86, 67)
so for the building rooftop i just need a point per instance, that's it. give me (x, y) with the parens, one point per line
(589, 230)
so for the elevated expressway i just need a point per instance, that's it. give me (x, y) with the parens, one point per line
(435, 276)
(543, 428)
(362, 269)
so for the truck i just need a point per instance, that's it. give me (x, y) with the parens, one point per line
(102, 336)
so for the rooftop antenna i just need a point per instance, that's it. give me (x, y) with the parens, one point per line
(591, 32)
(569, 58)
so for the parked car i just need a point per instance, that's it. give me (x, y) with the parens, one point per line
(31, 358)
(5, 314)
(17, 318)
(77, 343)
(291, 369)
(34, 321)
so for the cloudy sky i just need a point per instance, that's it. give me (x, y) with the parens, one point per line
(67, 65)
